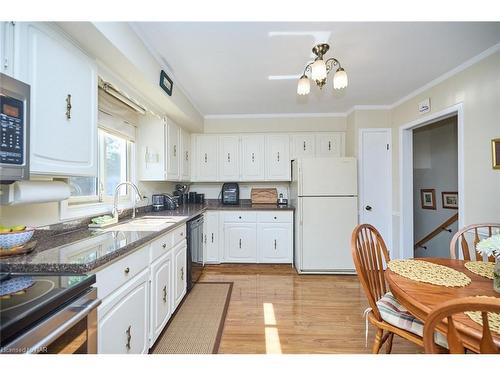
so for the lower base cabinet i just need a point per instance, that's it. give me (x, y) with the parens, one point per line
(275, 242)
(180, 273)
(123, 318)
(161, 294)
(240, 242)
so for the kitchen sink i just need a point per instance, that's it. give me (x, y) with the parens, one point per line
(147, 223)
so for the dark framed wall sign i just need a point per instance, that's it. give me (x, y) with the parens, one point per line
(495, 153)
(428, 199)
(450, 199)
(166, 83)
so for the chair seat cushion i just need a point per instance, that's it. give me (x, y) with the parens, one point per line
(394, 313)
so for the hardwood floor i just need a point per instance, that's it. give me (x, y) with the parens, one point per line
(275, 310)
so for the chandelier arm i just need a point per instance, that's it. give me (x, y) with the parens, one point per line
(307, 69)
(330, 63)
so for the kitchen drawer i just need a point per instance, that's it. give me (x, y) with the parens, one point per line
(161, 245)
(117, 274)
(178, 235)
(240, 217)
(274, 217)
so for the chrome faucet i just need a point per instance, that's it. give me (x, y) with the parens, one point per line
(115, 201)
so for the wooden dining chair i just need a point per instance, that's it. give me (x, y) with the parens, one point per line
(370, 256)
(471, 235)
(457, 306)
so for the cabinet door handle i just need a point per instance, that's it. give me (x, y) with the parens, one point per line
(274, 244)
(278, 156)
(304, 145)
(187, 155)
(165, 293)
(175, 150)
(206, 157)
(164, 245)
(240, 243)
(212, 238)
(182, 273)
(329, 145)
(129, 337)
(205, 239)
(253, 157)
(228, 157)
(126, 270)
(68, 106)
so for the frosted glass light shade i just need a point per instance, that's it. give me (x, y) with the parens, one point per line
(304, 86)
(318, 70)
(340, 79)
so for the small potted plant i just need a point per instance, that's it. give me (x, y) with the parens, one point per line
(491, 247)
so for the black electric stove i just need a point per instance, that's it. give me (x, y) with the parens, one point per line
(27, 299)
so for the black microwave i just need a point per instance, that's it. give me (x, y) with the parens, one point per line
(230, 193)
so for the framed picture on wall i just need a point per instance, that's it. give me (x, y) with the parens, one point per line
(428, 199)
(166, 83)
(495, 152)
(450, 199)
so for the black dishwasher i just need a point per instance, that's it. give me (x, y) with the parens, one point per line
(194, 250)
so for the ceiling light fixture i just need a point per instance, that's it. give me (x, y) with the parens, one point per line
(319, 69)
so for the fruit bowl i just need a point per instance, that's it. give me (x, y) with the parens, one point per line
(15, 238)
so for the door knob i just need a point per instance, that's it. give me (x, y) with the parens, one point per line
(368, 208)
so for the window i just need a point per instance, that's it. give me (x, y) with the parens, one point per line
(114, 167)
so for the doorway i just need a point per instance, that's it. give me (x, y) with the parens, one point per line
(435, 187)
(375, 181)
(408, 196)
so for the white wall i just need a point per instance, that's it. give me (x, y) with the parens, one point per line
(435, 155)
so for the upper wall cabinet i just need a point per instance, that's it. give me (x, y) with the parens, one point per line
(278, 166)
(185, 155)
(7, 41)
(229, 158)
(63, 83)
(252, 158)
(330, 144)
(151, 148)
(206, 157)
(172, 151)
(303, 145)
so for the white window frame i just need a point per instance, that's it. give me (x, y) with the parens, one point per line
(77, 207)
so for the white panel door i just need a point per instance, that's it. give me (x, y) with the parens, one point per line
(252, 158)
(328, 176)
(303, 145)
(211, 239)
(240, 242)
(326, 225)
(206, 157)
(123, 319)
(63, 138)
(151, 148)
(274, 242)
(376, 181)
(180, 272)
(173, 150)
(185, 155)
(161, 294)
(229, 156)
(278, 167)
(7, 39)
(329, 145)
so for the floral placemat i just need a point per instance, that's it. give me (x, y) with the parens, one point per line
(427, 272)
(493, 318)
(480, 268)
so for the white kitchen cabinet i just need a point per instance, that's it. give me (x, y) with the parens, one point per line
(252, 158)
(277, 160)
(211, 240)
(330, 144)
(275, 242)
(7, 40)
(206, 157)
(161, 294)
(185, 155)
(63, 83)
(229, 158)
(180, 273)
(151, 148)
(240, 242)
(172, 151)
(303, 145)
(123, 319)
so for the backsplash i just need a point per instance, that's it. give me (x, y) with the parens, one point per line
(212, 190)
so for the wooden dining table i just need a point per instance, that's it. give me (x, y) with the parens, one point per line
(421, 298)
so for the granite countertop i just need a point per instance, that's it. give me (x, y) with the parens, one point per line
(82, 250)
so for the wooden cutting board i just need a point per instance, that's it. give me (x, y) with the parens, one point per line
(264, 195)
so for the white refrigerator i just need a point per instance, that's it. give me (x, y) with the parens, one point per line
(324, 192)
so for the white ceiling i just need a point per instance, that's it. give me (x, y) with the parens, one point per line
(224, 67)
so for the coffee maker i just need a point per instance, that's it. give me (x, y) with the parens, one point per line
(158, 202)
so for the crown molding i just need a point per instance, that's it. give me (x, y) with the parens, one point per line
(368, 107)
(274, 115)
(474, 60)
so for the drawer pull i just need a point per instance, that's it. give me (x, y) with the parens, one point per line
(275, 218)
(182, 273)
(239, 217)
(164, 245)
(274, 244)
(126, 270)
(165, 293)
(329, 145)
(129, 337)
